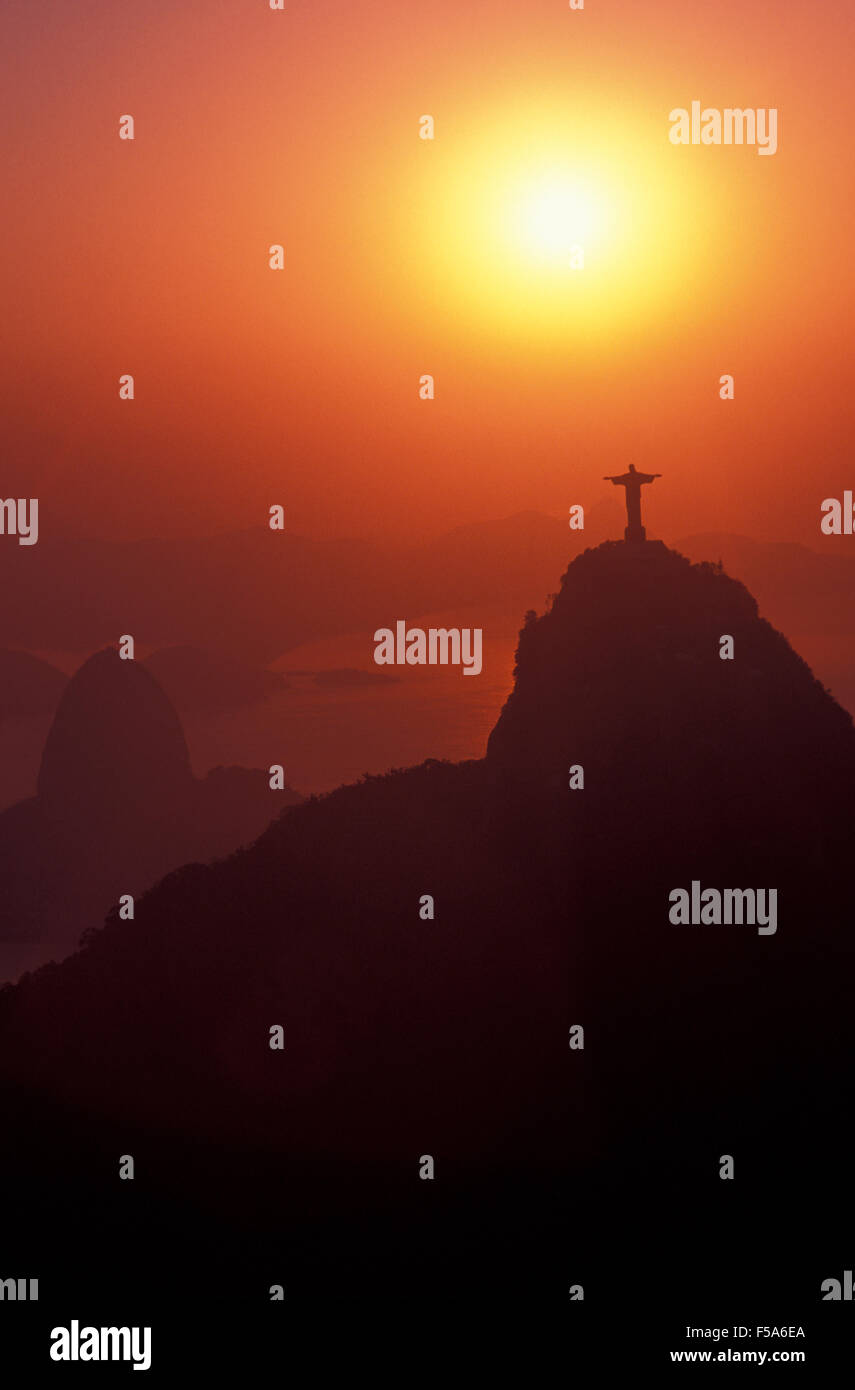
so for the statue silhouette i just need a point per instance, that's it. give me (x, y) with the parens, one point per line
(633, 483)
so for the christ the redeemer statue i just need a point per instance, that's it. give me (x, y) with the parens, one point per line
(633, 482)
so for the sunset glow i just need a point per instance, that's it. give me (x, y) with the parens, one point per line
(501, 217)
(404, 256)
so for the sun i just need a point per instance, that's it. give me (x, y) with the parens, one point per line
(556, 216)
(559, 225)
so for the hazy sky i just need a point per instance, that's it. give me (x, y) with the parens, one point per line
(405, 256)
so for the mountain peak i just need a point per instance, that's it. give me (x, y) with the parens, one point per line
(628, 674)
(116, 741)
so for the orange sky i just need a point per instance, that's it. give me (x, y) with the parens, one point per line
(301, 387)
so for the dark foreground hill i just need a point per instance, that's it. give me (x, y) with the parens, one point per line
(406, 1037)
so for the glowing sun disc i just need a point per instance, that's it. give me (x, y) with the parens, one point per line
(556, 214)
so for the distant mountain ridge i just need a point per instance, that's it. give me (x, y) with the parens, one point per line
(270, 591)
(28, 685)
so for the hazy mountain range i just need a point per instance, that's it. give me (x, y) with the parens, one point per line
(256, 594)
